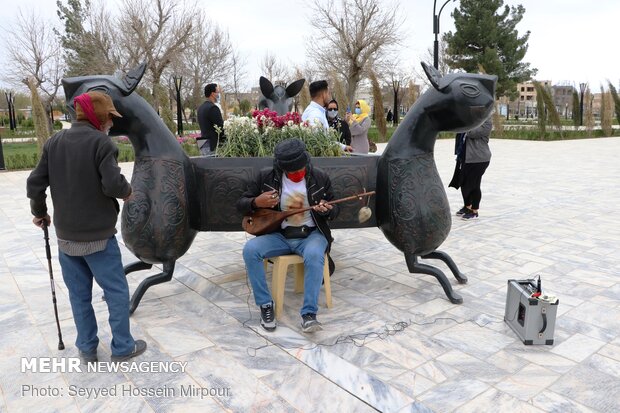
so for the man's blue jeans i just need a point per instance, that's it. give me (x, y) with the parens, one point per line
(312, 249)
(106, 268)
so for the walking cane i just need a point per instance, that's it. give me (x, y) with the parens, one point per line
(61, 345)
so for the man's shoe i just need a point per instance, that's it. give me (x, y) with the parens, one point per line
(139, 348)
(267, 317)
(463, 211)
(86, 358)
(469, 216)
(309, 323)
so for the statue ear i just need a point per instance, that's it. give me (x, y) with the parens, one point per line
(132, 78)
(295, 87)
(433, 75)
(266, 87)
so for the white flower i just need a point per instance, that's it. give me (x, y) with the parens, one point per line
(290, 123)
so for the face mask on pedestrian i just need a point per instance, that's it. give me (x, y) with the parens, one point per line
(332, 113)
(358, 111)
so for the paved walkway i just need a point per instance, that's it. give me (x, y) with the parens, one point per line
(549, 208)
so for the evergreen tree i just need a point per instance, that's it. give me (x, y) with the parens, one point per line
(486, 35)
(87, 39)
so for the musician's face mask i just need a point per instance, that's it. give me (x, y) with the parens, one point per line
(296, 176)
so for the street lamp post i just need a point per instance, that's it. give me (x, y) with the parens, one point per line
(436, 31)
(177, 85)
(582, 90)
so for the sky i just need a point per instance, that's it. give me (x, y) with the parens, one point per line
(571, 41)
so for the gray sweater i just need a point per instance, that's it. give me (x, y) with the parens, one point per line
(477, 143)
(79, 165)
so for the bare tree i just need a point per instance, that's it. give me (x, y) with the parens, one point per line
(155, 31)
(207, 58)
(273, 69)
(350, 35)
(397, 78)
(444, 67)
(36, 56)
(238, 73)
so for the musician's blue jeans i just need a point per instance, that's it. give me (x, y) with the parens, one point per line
(312, 249)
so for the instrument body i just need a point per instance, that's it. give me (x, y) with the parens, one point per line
(266, 220)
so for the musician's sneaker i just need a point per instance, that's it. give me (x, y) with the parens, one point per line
(267, 317)
(309, 323)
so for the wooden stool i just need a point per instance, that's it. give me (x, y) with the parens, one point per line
(278, 278)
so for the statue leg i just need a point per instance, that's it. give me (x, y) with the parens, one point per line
(440, 255)
(415, 267)
(137, 266)
(164, 276)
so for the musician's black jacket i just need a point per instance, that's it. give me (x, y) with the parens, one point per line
(318, 187)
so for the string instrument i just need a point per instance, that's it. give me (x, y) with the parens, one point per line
(267, 220)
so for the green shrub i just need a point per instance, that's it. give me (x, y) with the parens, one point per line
(57, 125)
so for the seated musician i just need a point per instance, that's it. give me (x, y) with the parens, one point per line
(293, 183)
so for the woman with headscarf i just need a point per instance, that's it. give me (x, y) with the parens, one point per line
(359, 123)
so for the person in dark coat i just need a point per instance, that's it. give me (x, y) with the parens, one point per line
(473, 157)
(210, 116)
(79, 166)
(389, 116)
(292, 183)
(338, 123)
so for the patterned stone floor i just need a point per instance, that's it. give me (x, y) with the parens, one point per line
(548, 208)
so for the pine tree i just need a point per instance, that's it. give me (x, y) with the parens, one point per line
(486, 35)
(88, 38)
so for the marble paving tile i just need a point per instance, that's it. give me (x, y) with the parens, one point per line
(549, 401)
(541, 357)
(216, 370)
(611, 351)
(251, 348)
(178, 339)
(501, 402)
(605, 365)
(412, 384)
(591, 388)
(450, 395)
(597, 315)
(366, 387)
(437, 371)
(578, 347)
(528, 382)
(303, 388)
(473, 367)
(474, 340)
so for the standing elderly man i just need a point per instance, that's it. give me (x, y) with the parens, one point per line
(293, 183)
(79, 165)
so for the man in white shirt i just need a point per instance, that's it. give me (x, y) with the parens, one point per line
(293, 183)
(315, 112)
